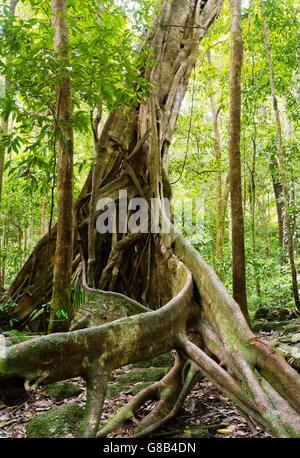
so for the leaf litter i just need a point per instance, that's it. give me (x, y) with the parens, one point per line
(204, 408)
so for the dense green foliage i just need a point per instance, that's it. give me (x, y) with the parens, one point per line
(269, 264)
(105, 65)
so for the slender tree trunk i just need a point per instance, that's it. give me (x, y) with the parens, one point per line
(222, 223)
(278, 193)
(65, 213)
(4, 127)
(244, 190)
(43, 217)
(93, 203)
(19, 229)
(298, 89)
(24, 245)
(281, 161)
(252, 207)
(219, 198)
(95, 124)
(264, 225)
(29, 234)
(238, 247)
(298, 62)
(292, 181)
(3, 243)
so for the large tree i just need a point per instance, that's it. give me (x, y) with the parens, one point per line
(188, 309)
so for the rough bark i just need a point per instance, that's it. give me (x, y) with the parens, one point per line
(237, 219)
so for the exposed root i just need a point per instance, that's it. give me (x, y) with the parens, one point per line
(114, 257)
(128, 411)
(33, 388)
(277, 372)
(170, 393)
(255, 377)
(190, 381)
(259, 400)
(96, 380)
(112, 300)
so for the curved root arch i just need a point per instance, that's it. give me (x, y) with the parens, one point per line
(250, 372)
(94, 352)
(257, 379)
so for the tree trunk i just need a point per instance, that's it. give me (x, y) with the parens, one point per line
(43, 217)
(237, 220)
(264, 222)
(281, 162)
(298, 88)
(252, 207)
(24, 244)
(3, 243)
(277, 186)
(92, 212)
(20, 231)
(65, 217)
(298, 62)
(184, 297)
(4, 127)
(221, 199)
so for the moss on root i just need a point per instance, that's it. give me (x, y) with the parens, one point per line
(269, 325)
(135, 389)
(117, 388)
(165, 360)
(152, 374)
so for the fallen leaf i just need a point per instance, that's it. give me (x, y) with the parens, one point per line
(224, 431)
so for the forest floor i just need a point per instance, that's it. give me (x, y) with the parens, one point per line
(205, 409)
